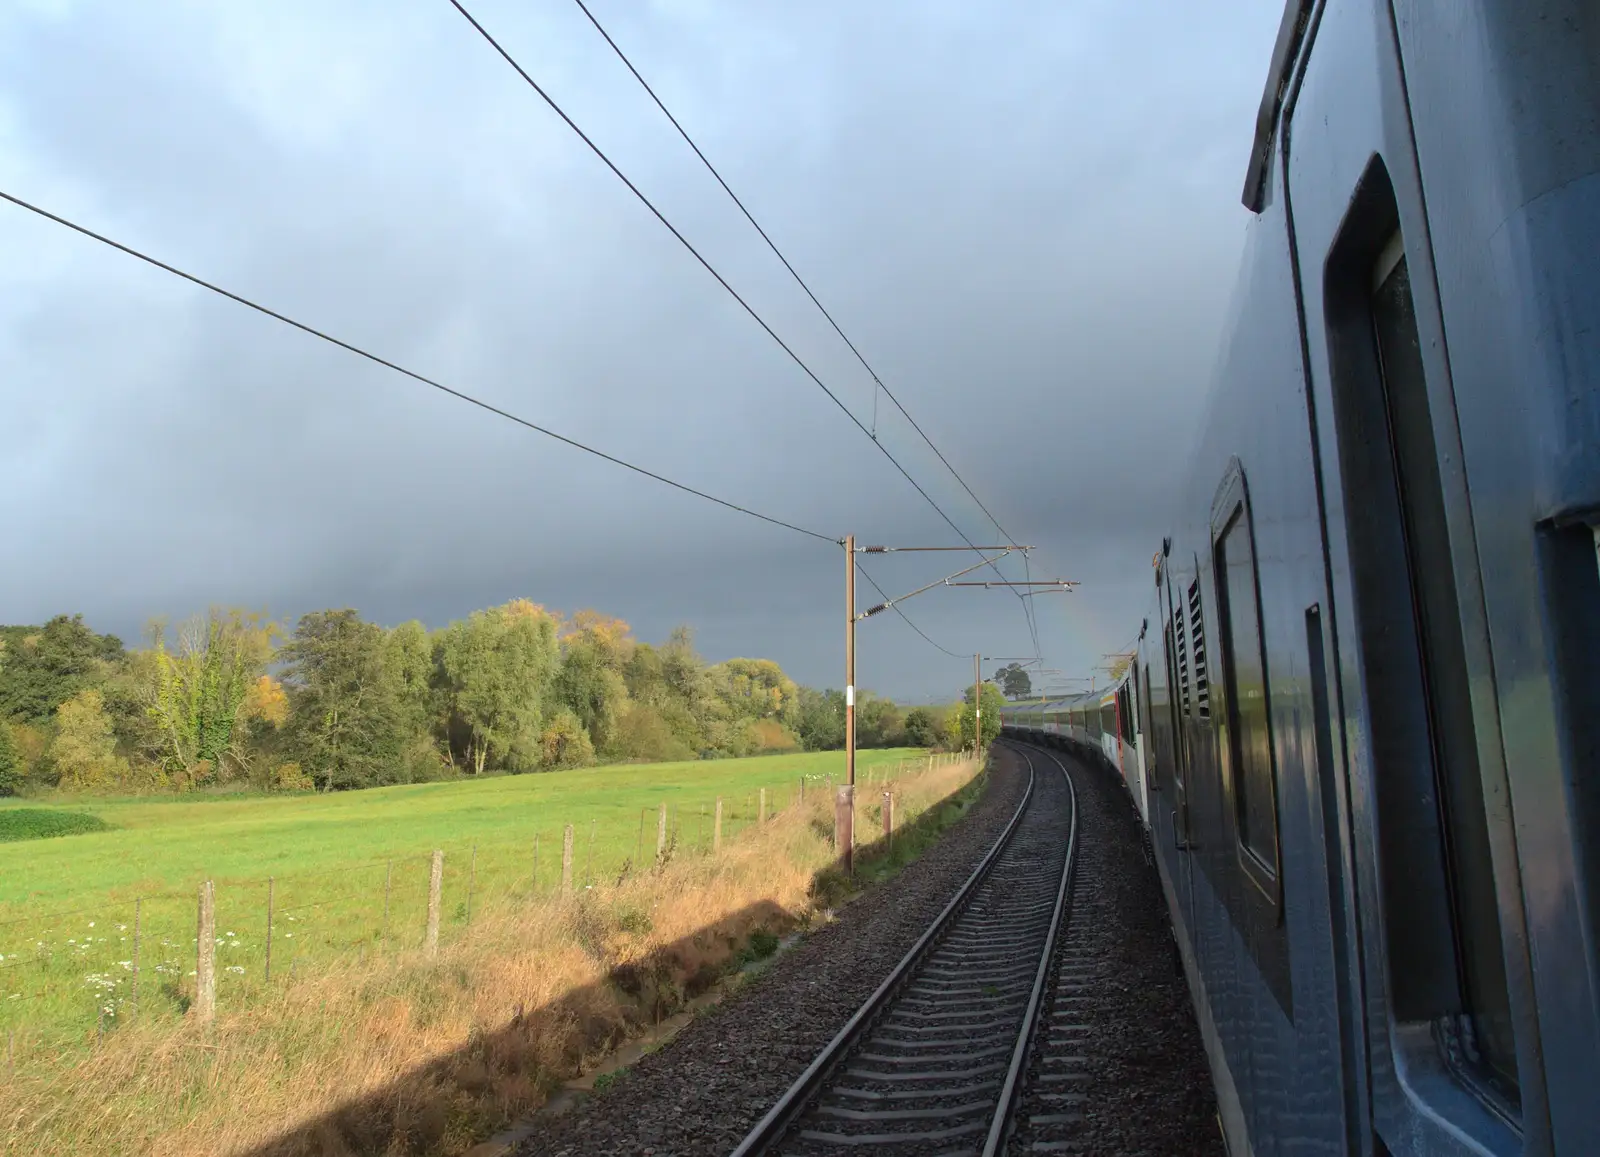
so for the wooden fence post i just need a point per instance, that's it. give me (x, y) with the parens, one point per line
(761, 808)
(435, 884)
(802, 791)
(661, 834)
(566, 859)
(716, 828)
(136, 915)
(888, 821)
(205, 970)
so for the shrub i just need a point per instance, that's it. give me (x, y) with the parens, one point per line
(37, 823)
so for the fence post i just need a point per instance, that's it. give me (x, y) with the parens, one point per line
(136, 914)
(716, 828)
(435, 883)
(802, 791)
(566, 859)
(205, 970)
(269, 925)
(888, 822)
(761, 808)
(661, 834)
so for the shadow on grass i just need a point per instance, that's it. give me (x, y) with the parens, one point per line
(497, 1076)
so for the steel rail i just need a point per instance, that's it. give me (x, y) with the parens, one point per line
(774, 1126)
(999, 1125)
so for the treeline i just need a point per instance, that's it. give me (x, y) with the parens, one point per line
(231, 698)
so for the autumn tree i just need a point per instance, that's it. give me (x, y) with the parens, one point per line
(564, 743)
(202, 688)
(84, 750)
(591, 680)
(346, 725)
(498, 666)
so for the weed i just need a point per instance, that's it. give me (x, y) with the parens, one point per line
(763, 943)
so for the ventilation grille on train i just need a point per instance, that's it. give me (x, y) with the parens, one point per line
(1202, 686)
(1183, 663)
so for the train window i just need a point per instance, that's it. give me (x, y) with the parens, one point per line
(1437, 626)
(1247, 728)
(1108, 719)
(1440, 906)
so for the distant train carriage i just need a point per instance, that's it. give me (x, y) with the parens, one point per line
(1363, 721)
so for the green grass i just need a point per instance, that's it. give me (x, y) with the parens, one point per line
(350, 872)
(39, 823)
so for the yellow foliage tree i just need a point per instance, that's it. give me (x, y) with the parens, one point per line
(84, 751)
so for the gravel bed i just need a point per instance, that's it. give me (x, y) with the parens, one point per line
(1124, 1032)
(707, 1087)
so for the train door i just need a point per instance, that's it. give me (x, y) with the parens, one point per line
(1438, 956)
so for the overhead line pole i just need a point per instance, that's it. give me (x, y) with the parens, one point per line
(844, 802)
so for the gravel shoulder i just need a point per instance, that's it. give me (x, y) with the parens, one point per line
(705, 1089)
(1145, 1084)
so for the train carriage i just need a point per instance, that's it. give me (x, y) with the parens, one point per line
(1363, 721)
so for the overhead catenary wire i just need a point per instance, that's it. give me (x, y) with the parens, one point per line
(399, 369)
(722, 281)
(778, 253)
(878, 383)
(895, 606)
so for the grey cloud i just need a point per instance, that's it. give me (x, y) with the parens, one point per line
(1026, 216)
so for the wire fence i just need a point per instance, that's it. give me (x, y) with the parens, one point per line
(79, 972)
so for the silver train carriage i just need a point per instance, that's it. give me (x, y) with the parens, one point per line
(1363, 723)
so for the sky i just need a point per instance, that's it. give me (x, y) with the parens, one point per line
(1024, 214)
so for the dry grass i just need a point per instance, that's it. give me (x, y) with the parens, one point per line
(409, 1055)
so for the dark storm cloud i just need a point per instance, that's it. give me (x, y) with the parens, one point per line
(1025, 215)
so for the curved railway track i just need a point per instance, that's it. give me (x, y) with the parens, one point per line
(934, 1061)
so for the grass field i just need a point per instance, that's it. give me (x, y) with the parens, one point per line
(97, 926)
(388, 1049)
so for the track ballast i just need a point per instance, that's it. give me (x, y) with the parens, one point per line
(933, 1062)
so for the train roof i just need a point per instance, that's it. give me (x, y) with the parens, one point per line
(1064, 703)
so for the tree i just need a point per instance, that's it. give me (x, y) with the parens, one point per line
(591, 680)
(201, 692)
(42, 667)
(755, 689)
(408, 663)
(84, 751)
(498, 667)
(644, 736)
(821, 724)
(11, 766)
(346, 725)
(878, 722)
(923, 727)
(1014, 681)
(565, 743)
(992, 703)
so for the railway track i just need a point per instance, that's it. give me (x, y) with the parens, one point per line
(934, 1061)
